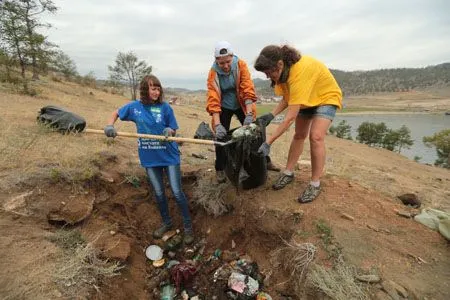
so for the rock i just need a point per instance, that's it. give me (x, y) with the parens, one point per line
(74, 211)
(105, 176)
(400, 290)
(390, 289)
(16, 202)
(347, 216)
(404, 214)
(370, 278)
(410, 199)
(115, 247)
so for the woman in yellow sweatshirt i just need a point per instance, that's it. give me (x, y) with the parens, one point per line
(311, 96)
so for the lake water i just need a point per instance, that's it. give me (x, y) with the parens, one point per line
(420, 125)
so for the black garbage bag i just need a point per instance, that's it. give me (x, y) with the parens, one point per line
(245, 167)
(203, 132)
(61, 119)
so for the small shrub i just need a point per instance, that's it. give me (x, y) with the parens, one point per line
(133, 180)
(325, 230)
(67, 239)
(55, 175)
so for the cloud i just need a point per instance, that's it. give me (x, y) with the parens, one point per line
(177, 37)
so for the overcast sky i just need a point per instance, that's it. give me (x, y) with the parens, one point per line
(177, 37)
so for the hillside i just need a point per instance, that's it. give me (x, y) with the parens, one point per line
(47, 179)
(384, 80)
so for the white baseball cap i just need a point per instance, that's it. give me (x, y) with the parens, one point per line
(223, 48)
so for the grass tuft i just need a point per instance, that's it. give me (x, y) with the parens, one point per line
(80, 265)
(338, 282)
(294, 258)
(211, 196)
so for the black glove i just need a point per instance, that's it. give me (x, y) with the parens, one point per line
(221, 132)
(110, 131)
(168, 132)
(265, 119)
(248, 119)
(264, 149)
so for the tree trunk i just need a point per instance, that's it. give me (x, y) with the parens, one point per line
(32, 45)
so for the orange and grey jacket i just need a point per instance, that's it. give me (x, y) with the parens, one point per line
(245, 90)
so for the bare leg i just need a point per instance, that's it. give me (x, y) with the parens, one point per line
(302, 127)
(317, 135)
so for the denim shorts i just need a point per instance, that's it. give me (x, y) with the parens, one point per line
(324, 111)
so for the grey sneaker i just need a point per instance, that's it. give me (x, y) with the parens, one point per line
(309, 194)
(221, 176)
(282, 181)
(158, 233)
(188, 237)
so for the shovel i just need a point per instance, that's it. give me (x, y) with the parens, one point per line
(160, 137)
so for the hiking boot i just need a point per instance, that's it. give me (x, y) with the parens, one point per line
(188, 237)
(272, 167)
(158, 233)
(309, 194)
(221, 177)
(282, 181)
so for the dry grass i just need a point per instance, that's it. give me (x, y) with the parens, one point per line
(211, 196)
(338, 282)
(80, 264)
(28, 150)
(294, 258)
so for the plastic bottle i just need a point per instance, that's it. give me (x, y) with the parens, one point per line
(167, 292)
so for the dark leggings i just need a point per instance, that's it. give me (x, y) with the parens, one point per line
(225, 119)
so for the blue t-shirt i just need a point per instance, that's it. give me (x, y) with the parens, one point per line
(152, 119)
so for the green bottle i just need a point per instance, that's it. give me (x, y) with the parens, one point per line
(174, 242)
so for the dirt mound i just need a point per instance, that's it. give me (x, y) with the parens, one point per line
(347, 221)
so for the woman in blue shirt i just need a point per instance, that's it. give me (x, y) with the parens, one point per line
(154, 116)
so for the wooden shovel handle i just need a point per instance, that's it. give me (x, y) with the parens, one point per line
(158, 137)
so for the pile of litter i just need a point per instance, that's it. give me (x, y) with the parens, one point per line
(201, 272)
(250, 131)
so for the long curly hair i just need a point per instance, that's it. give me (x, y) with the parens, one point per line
(270, 55)
(146, 82)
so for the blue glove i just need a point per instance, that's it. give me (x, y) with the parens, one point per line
(110, 131)
(264, 149)
(248, 119)
(265, 119)
(168, 132)
(221, 132)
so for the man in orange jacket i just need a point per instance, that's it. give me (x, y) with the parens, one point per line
(230, 92)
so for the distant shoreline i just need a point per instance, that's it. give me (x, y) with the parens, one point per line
(390, 113)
